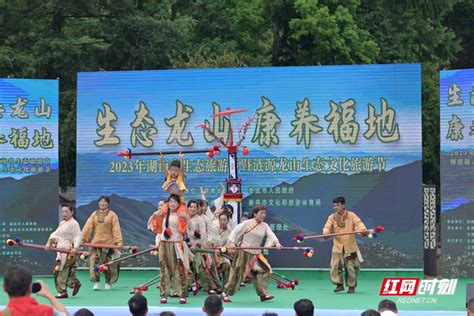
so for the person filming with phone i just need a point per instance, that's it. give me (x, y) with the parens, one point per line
(18, 284)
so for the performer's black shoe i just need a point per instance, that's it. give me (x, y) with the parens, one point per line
(339, 288)
(266, 298)
(351, 290)
(75, 288)
(62, 295)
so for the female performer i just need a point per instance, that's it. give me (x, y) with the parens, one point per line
(67, 235)
(219, 238)
(104, 226)
(250, 234)
(174, 253)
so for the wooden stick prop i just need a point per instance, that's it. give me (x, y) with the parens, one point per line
(17, 242)
(372, 233)
(128, 154)
(204, 250)
(131, 249)
(144, 287)
(213, 251)
(295, 281)
(105, 267)
(308, 251)
(280, 284)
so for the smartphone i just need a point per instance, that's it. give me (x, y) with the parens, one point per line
(36, 287)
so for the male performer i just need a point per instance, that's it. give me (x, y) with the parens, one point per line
(104, 226)
(67, 235)
(345, 253)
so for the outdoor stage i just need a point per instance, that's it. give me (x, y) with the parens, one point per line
(313, 285)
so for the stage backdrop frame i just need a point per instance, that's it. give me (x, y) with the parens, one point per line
(28, 169)
(318, 132)
(457, 172)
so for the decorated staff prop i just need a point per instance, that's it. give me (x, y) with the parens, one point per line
(292, 281)
(17, 242)
(273, 275)
(105, 267)
(233, 195)
(131, 249)
(281, 284)
(213, 251)
(144, 287)
(372, 233)
(308, 251)
(128, 154)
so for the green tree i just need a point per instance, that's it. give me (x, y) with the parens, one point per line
(58, 38)
(329, 35)
(413, 32)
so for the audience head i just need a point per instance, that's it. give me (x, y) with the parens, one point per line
(83, 312)
(167, 313)
(387, 305)
(370, 312)
(17, 281)
(470, 307)
(213, 306)
(304, 307)
(138, 305)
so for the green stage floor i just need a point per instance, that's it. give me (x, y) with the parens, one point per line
(314, 285)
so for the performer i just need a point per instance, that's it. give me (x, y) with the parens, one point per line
(197, 235)
(250, 234)
(155, 223)
(246, 279)
(67, 235)
(212, 224)
(174, 253)
(210, 262)
(174, 183)
(151, 221)
(244, 217)
(175, 177)
(219, 238)
(345, 253)
(104, 226)
(212, 219)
